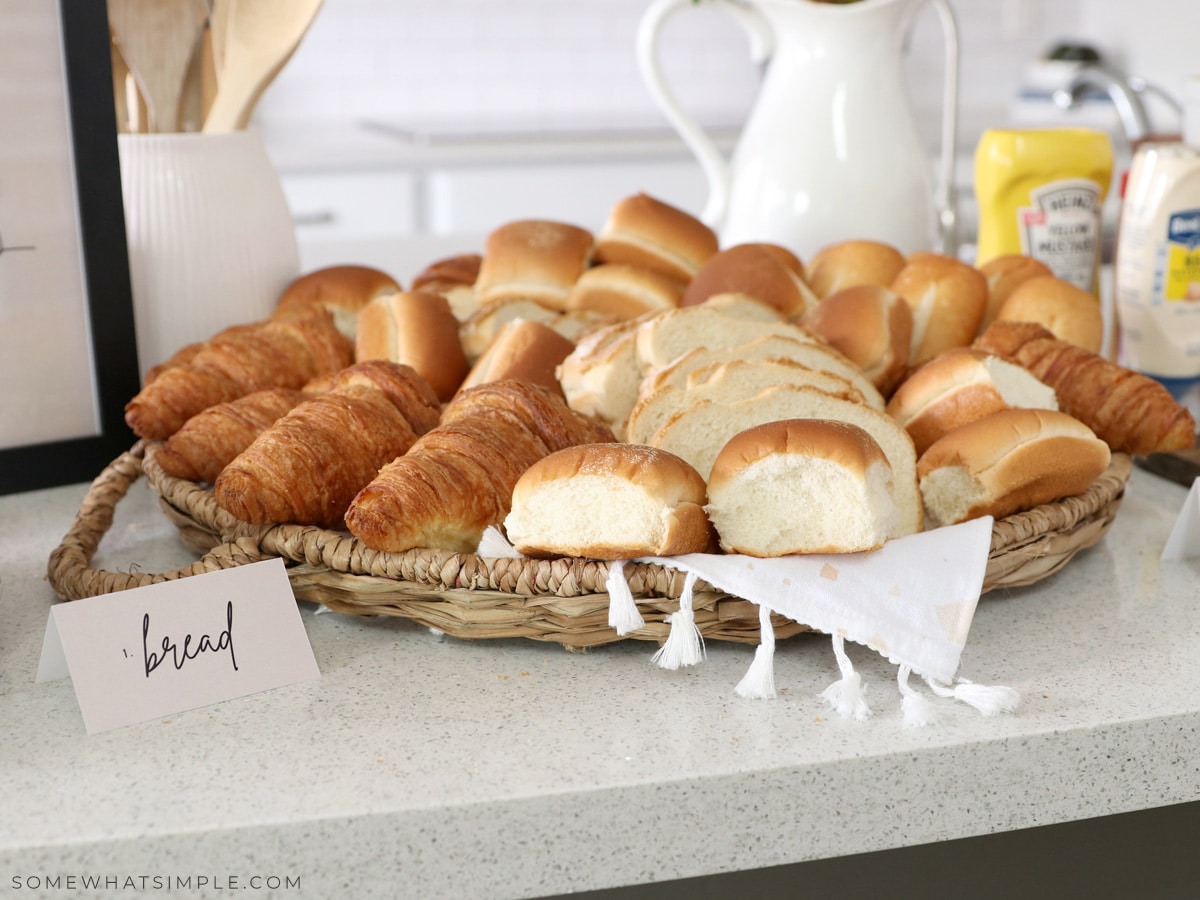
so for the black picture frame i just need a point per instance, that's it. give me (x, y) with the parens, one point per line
(91, 110)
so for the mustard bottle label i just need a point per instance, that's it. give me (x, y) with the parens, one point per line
(1062, 228)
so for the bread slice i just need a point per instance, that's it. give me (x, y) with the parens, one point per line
(731, 380)
(606, 385)
(669, 335)
(960, 386)
(814, 354)
(1009, 461)
(699, 431)
(609, 501)
(802, 486)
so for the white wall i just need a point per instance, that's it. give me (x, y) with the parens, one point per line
(468, 64)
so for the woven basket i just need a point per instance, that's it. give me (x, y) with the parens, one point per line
(562, 600)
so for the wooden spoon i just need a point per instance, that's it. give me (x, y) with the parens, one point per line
(157, 39)
(259, 38)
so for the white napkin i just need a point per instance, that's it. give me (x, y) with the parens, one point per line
(912, 600)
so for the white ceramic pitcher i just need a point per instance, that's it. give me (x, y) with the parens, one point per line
(831, 150)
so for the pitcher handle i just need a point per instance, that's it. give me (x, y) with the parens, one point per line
(946, 199)
(712, 161)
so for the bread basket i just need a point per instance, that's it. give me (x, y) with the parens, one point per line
(468, 596)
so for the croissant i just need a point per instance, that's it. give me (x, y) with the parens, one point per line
(212, 438)
(412, 394)
(458, 478)
(1129, 411)
(308, 465)
(283, 351)
(542, 410)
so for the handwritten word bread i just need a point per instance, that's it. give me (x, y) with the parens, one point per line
(418, 330)
(959, 386)
(535, 260)
(1069, 312)
(802, 486)
(1006, 462)
(458, 478)
(646, 232)
(343, 290)
(871, 325)
(209, 440)
(524, 350)
(754, 269)
(948, 299)
(609, 501)
(1127, 410)
(1004, 275)
(307, 467)
(852, 263)
(286, 350)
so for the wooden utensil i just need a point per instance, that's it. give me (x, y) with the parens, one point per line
(157, 39)
(259, 38)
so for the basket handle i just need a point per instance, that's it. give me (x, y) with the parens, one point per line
(70, 569)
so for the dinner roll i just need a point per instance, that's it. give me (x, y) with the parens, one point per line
(533, 259)
(418, 330)
(1007, 462)
(609, 501)
(802, 486)
(960, 386)
(871, 325)
(1004, 275)
(644, 231)
(343, 290)
(851, 263)
(454, 278)
(753, 269)
(623, 291)
(948, 299)
(1069, 312)
(523, 351)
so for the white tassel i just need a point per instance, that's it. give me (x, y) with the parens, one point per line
(623, 613)
(685, 644)
(918, 711)
(493, 544)
(846, 696)
(759, 681)
(990, 700)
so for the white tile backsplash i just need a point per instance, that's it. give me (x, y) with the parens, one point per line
(467, 63)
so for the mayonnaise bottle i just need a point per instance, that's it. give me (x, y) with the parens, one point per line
(1157, 281)
(1041, 193)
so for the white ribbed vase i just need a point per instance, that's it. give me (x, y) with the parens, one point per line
(211, 238)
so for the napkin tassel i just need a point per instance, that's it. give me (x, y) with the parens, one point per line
(917, 709)
(685, 644)
(990, 700)
(759, 681)
(846, 695)
(623, 613)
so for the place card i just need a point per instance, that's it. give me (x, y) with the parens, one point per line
(157, 650)
(1184, 540)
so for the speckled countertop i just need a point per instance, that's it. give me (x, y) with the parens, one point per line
(424, 767)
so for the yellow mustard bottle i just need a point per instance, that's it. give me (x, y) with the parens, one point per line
(1041, 193)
